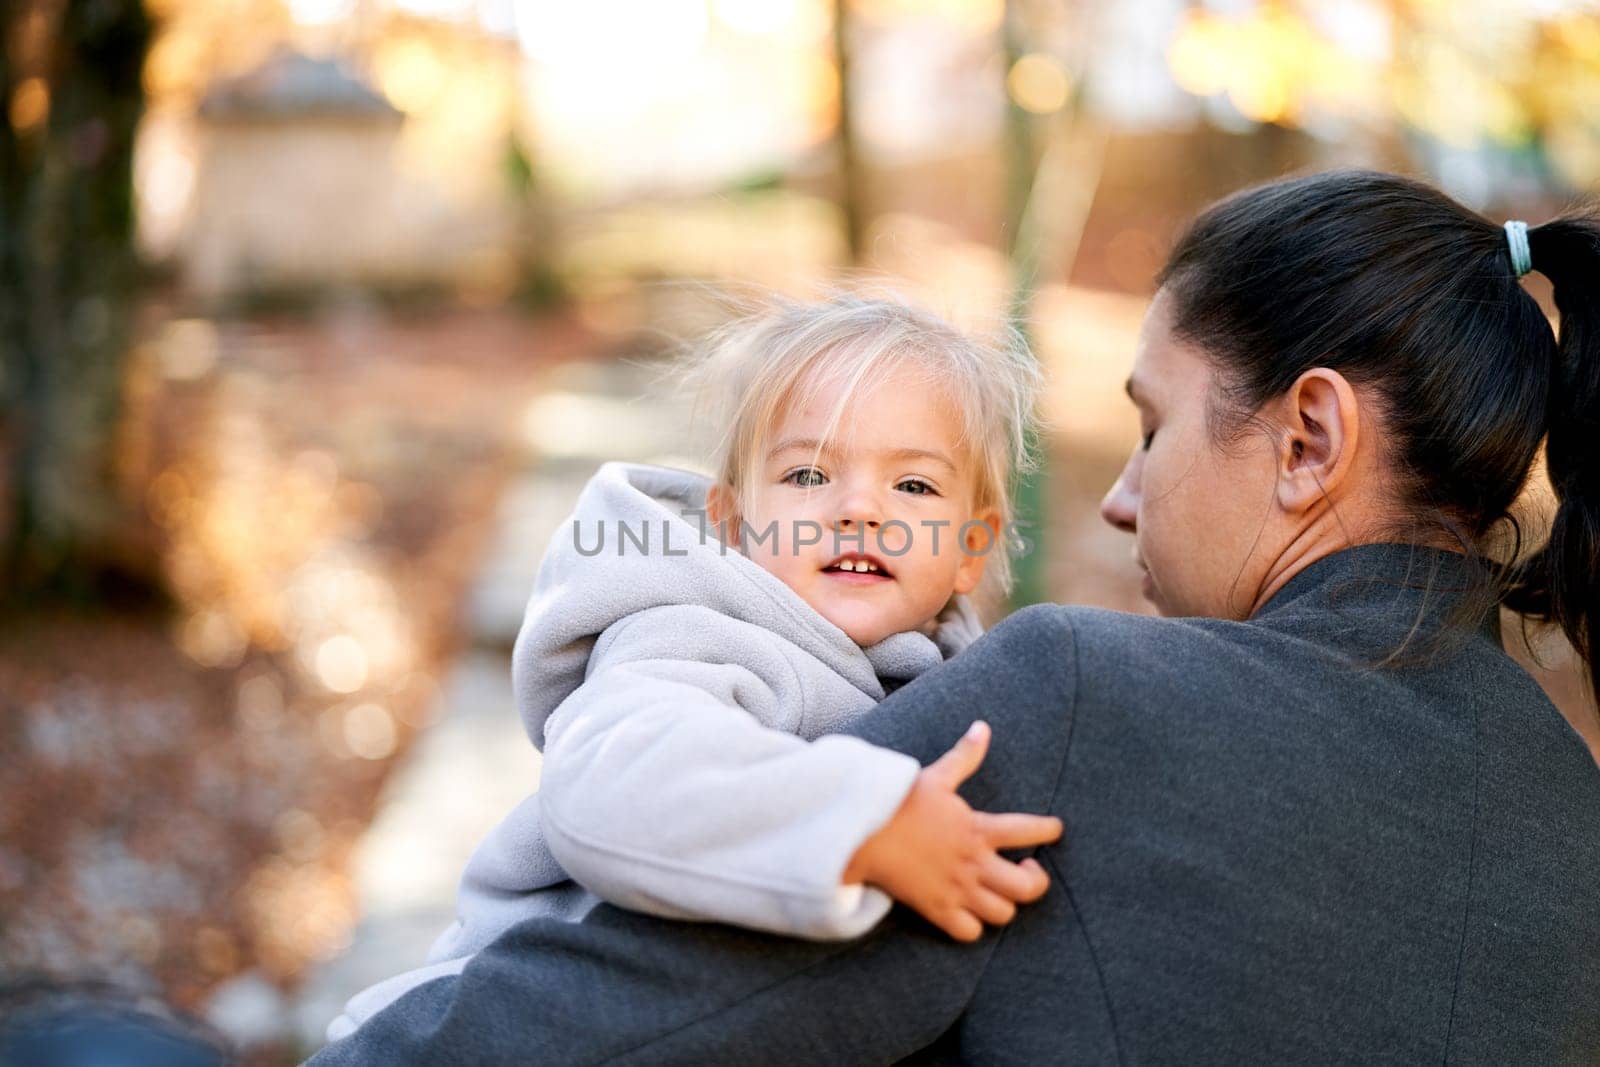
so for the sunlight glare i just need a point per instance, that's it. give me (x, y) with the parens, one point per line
(631, 33)
(757, 16)
(320, 12)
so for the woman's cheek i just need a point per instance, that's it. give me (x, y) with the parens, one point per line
(1170, 546)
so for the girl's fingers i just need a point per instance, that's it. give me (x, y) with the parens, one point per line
(990, 906)
(1022, 882)
(1016, 830)
(962, 925)
(964, 757)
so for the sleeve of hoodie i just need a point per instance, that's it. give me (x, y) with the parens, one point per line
(664, 792)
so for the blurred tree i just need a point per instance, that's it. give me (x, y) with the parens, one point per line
(1497, 89)
(1055, 152)
(70, 82)
(852, 178)
(539, 286)
(1022, 241)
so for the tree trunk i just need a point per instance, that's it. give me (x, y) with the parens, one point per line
(70, 78)
(852, 179)
(1022, 246)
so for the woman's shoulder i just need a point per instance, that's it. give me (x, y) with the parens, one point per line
(1145, 665)
(1104, 631)
(1197, 678)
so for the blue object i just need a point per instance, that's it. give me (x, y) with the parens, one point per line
(90, 1026)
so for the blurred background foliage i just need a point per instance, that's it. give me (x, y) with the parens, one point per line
(282, 283)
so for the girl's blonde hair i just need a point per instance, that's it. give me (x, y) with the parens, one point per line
(752, 369)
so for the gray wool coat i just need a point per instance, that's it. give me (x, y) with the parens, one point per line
(687, 703)
(1275, 852)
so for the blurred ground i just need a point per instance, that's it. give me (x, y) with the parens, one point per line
(183, 804)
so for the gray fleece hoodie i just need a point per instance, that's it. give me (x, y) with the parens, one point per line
(683, 698)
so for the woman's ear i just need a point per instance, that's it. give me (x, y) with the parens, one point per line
(1321, 416)
(975, 545)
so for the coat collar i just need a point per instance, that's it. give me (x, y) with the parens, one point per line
(1384, 586)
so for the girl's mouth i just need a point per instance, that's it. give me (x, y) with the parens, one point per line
(858, 568)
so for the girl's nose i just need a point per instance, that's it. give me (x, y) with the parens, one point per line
(858, 522)
(860, 505)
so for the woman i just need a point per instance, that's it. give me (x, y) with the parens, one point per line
(1317, 813)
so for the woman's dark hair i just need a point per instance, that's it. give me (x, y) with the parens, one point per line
(1402, 290)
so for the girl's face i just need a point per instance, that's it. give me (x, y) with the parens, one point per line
(1201, 513)
(888, 496)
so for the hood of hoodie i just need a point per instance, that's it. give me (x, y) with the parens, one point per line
(638, 539)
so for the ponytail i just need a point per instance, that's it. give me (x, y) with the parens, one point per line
(1561, 582)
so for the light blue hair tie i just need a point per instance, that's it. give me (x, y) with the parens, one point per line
(1517, 238)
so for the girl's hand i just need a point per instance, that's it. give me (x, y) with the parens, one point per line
(941, 858)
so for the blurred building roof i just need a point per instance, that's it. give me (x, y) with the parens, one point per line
(293, 85)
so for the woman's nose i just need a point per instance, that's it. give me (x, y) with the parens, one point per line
(1120, 507)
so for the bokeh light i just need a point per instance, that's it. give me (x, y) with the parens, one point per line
(30, 104)
(341, 664)
(369, 731)
(1038, 83)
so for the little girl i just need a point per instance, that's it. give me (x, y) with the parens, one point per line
(690, 645)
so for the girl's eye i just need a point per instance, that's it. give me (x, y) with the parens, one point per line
(1144, 444)
(806, 477)
(917, 487)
